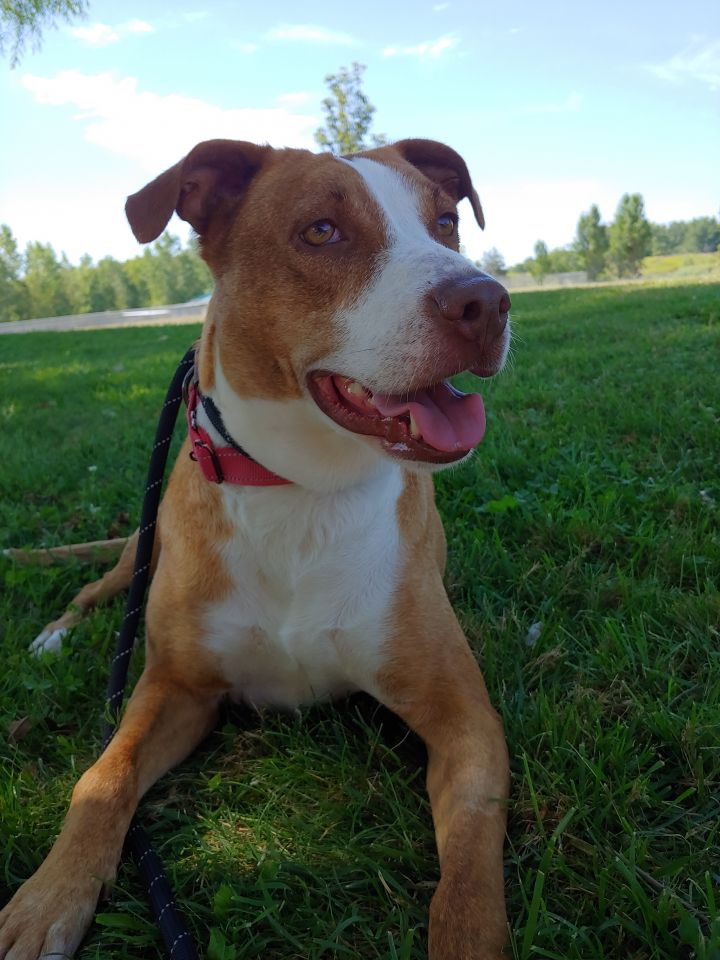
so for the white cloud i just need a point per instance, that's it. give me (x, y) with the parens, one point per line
(310, 33)
(136, 26)
(102, 34)
(430, 48)
(440, 6)
(295, 99)
(156, 130)
(699, 61)
(85, 217)
(98, 35)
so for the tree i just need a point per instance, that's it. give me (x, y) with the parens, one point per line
(540, 266)
(563, 260)
(630, 236)
(45, 282)
(23, 20)
(667, 238)
(39, 284)
(493, 262)
(110, 288)
(591, 242)
(165, 273)
(702, 235)
(14, 301)
(348, 114)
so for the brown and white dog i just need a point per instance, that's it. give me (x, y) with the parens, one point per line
(341, 306)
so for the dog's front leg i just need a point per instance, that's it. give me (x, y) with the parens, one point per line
(432, 681)
(50, 913)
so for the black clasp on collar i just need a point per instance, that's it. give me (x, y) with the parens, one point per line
(214, 459)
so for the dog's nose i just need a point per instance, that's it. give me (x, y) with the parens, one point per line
(477, 307)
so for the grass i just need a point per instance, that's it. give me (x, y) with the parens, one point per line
(591, 510)
(683, 267)
(675, 269)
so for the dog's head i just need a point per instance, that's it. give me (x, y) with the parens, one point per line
(342, 304)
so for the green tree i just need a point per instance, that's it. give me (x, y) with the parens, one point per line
(165, 273)
(493, 262)
(14, 301)
(630, 236)
(136, 275)
(110, 288)
(591, 242)
(702, 235)
(666, 238)
(539, 266)
(77, 284)
(348, 114)
(39, 284)
(23, 20)
(193, 275)
(563, 260)
(45, 281)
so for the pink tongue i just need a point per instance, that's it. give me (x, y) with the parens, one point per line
(447, 419)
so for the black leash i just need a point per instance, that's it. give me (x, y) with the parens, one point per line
(176, 938)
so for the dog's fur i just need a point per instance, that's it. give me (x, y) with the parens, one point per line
(284, 595)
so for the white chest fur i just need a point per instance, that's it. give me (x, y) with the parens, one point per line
(313, 576)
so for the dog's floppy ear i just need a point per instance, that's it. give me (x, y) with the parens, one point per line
(445, 167)
(213, 173)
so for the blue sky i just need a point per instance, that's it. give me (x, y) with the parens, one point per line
(554, 105)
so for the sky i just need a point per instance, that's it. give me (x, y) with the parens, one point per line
(553, 105)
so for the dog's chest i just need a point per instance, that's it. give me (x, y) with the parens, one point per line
(312, 582)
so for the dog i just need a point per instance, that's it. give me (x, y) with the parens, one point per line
(300, 552)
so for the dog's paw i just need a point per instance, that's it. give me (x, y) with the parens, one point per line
(49, 915)
(49, 640)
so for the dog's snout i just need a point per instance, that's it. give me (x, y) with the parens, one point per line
(477, 307)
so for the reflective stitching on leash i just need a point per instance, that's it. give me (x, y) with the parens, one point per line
(170, 903)
(177, 940)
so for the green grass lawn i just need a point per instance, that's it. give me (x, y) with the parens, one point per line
(591, 508)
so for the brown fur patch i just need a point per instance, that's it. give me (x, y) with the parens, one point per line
(190, 576)
(277, 296)
(439, 187)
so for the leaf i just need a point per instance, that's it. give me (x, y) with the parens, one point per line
(214, 782)
(19, 729)
(222, 901)
(508, 502)
(689, 929)
(219, 948)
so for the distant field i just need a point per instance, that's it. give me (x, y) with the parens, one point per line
(678, 268)
(683, 266)
(591, 509)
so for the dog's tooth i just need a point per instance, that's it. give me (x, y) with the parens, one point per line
(355, 388)
(414, 429)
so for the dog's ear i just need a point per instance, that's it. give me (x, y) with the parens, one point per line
(445, 167)
(207, 181)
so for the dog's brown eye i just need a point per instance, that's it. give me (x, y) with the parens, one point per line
(320, 233)
(446, 224)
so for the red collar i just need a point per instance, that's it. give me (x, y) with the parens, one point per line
(223, 464)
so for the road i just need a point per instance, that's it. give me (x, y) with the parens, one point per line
(148, 316)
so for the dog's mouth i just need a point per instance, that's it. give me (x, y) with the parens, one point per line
(435, 424)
